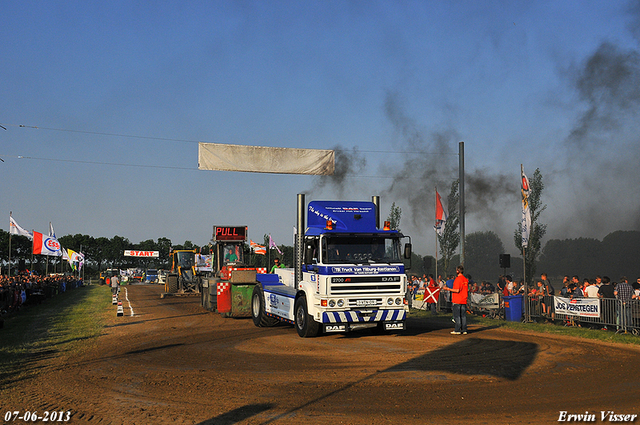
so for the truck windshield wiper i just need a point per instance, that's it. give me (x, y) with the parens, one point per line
(379, 260)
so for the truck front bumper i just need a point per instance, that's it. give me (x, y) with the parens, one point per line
(364, 316)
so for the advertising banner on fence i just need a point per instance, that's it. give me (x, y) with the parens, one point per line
(484, 301)
(204, 263)
(584, 307)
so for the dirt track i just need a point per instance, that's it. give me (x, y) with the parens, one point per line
(174, 362)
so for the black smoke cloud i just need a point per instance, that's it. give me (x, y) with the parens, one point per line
(431, 160)
(609, 84)
(428, 160)
(603, 146)
(348, 163)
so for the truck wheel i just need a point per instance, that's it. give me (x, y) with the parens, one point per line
(258, 314)
(305, 325)
(172, 284)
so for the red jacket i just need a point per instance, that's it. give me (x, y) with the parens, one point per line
(461, 283)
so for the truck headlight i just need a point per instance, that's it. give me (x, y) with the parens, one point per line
(332, 303)
(390, 301)
(398, 301)
(340, 303)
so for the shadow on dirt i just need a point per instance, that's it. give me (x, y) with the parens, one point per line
(476, 356)
(470, 356)
(238, 415)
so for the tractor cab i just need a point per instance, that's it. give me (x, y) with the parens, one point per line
(183, 277)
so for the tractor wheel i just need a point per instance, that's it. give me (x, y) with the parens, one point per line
(305, 325)
(258, 313)
(172, 284)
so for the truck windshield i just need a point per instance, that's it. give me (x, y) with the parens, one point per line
(361, 249)
(185, 259)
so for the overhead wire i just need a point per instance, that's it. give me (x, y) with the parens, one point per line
(166, 139)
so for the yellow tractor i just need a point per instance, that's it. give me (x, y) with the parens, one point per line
(183, 278)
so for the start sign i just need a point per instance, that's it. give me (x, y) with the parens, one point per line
(132, 253)
(230, 233)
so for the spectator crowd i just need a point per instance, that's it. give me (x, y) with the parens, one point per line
(620, 305)
(24, 289)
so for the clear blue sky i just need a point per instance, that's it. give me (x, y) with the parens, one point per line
(121, 91)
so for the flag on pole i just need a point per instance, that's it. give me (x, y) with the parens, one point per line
(52, 232)
(272, 244)
(80, 260)
(441, 215)
(526, 212)
(258, 249)
(46, 245)
(71, 256)
(15, 229)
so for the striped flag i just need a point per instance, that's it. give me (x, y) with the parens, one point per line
(258, 249)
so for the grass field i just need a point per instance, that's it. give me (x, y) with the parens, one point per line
(62, 326)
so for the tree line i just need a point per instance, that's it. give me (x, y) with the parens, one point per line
(614, 256)
(102, 253)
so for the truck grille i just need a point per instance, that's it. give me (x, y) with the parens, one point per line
(360, 303)
(365, 285)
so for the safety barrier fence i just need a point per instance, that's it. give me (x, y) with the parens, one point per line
(594, 312)
(609, 313)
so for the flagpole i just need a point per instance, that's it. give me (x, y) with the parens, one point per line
(436, 202)
(269, 255)
(524, 268)
(9, 273)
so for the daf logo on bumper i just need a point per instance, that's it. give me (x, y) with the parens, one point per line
(391, 326)
(335, 328)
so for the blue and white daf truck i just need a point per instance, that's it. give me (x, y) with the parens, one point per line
(349, 274)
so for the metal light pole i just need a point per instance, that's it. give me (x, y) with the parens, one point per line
(461, 202)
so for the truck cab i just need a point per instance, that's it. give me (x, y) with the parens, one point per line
(349, 274)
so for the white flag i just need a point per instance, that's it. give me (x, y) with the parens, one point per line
(15, 229)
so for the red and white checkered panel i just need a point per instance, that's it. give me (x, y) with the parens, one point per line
(222, 287)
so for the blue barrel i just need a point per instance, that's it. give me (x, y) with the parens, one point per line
(513, 308)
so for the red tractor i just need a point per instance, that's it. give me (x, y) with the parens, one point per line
(233, 280)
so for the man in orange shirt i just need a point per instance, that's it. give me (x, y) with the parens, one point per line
(459, 294)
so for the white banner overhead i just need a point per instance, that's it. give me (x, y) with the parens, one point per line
(260, 159)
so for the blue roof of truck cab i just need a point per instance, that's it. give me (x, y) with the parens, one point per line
(347, 216)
